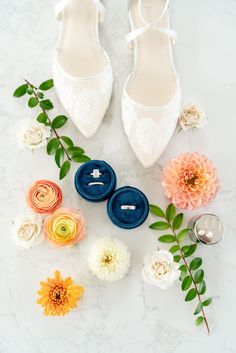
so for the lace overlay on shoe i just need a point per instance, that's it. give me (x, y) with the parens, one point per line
(84, 99)
(150, 129)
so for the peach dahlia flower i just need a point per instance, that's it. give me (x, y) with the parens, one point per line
(64, 227)
(44, 196)
(190, 180)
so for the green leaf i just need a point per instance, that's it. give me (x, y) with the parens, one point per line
(42, 118)
(67, 141)
(198, 309)
(29, 91)
(199, 320)
(46, 85)
(177, 258)
(159, 226)
(59, 157)
(191, 250)
(75, 150)
(191, 295)
(46, 104)
(65, 168)
(202, 288)
(157, 211)
(81, 158)
(195, 263)
(32, 102)
(40, 95)
(59, 121)
(168, 238)
(170, 212)
(174, 248)
(185, 248)
(183, 270)
(181, 235)
(177, 223)
(53, 146)
(199, 275)
(207, 302)
(187, 281)
(20, 91)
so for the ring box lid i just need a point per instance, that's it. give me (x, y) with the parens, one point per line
(128, 207)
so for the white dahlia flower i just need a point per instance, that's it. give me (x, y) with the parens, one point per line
(109, 259)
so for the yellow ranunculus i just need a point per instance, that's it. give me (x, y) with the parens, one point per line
(65, 227)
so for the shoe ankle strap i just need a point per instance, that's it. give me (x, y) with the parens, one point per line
(159, 18)
(154, 25)
(63, 3)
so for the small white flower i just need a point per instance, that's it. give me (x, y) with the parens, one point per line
(109, 259)
(160, 269)
(192, 116)
(27, 230)
(31, 134)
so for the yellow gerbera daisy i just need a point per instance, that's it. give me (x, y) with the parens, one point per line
(58, 296)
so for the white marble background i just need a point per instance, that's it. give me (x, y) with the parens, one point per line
(127, 316)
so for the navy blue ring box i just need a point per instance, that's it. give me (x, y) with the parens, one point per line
(95, 181)
(127, 207)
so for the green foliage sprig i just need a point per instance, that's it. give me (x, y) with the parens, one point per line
(62, 147)
(192, 276)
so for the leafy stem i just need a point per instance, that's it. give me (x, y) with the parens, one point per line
(192, 276)
(62, 147)
(34, 92)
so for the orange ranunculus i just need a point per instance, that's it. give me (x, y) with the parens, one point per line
(58, 296)
(44, 196)
(190, 180)
(64, 227)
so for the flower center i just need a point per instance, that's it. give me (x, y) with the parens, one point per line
(58, 295)
(44, 194)
(192, 181)
(27, 231)
(191, 178)
(107, 259)
(161, 268)
(34, 136)
(63, 229)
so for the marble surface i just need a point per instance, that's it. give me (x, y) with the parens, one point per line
(127, 316)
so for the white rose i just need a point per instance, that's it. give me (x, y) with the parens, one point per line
(160, 269)
(192, 116)
(31, 134)
(27, 230)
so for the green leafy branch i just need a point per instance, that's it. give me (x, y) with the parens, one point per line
(192, 276)
(62, 147)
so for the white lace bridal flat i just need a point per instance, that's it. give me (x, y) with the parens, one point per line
(151, 96)
(81, 69)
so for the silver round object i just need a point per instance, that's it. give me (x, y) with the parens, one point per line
(206, 228)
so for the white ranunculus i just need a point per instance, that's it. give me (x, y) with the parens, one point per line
(31, 134)
(160, 269)
(192, 116)
(27, 230)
